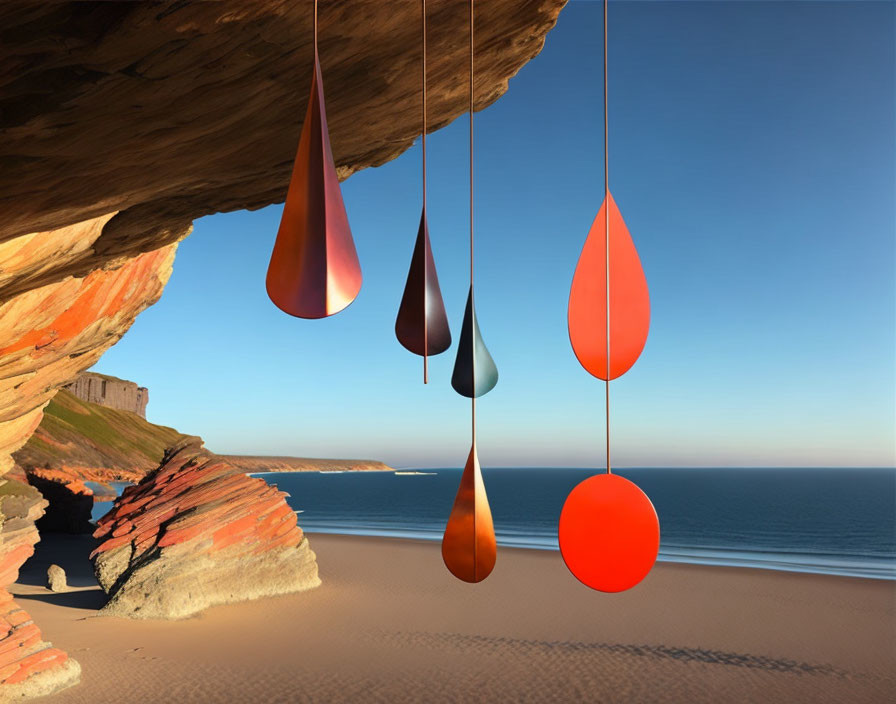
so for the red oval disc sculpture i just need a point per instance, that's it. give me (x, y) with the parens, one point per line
(609, 533)
(629, 299)
(314, 270)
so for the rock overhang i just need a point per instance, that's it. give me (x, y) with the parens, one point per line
(164, 112)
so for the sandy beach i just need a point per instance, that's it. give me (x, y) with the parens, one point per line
(389, 624)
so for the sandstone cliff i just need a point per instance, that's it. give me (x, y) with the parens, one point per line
(49, 334)
(198, 532)
(29, 666)
(122, 122)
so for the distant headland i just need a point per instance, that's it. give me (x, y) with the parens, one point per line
(262, 463)
(95, 429)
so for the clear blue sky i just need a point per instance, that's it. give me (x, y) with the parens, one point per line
(752, 155)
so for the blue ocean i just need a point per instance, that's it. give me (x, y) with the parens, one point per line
(829, 521)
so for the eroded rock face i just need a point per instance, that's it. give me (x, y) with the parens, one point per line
(29, 666)
(51, 333)
(195, 533)
(48, 333)
(171, 110)
(121, 122)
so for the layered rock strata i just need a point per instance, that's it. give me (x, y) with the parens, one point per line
(195, 533)
(48, 335)
(29, 666)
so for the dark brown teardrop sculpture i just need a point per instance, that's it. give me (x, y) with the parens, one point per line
(422, 323)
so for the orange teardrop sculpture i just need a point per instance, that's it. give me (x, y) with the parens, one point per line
(468, 546)
(629, 299)
(609, 533)
(314, 270)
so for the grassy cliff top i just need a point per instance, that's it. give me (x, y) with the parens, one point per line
(79, 433)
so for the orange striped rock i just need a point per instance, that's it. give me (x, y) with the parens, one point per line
(207, 529)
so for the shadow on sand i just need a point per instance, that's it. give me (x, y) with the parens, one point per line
(87, 599)
(71, 553)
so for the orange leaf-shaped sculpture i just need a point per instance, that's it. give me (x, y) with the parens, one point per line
(629, 299)
(314, 270)
(468, 546)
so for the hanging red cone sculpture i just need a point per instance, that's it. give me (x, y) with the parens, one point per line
(629, 299)
(314, 270)
(609, 532)
(468, 546)
(422, 323)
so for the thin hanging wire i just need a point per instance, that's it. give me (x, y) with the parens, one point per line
(315, 30)
(425, 268)
(472, 305)
(607, 224)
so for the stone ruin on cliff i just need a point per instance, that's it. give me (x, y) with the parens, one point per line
(110, 391)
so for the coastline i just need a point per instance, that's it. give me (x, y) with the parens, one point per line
(389, 624)
(708, 517)
(696, 557)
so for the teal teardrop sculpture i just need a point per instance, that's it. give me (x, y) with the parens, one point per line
(472, 354)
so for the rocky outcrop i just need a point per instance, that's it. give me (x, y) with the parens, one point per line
(56, 579)
(29, 666)
(51, 333)
(48, 334)
(195, 533)
(111, 392)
